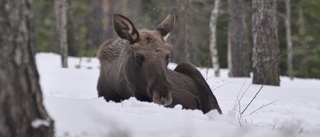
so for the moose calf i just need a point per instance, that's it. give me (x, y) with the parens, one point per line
(135, 65)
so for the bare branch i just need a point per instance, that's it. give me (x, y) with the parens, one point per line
(263, 105)
(237, 99)
(253, 99)
(221, 86)
(239, 120)
(244, 93)
(274, 126)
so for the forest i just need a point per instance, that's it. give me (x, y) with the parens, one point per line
(90, 23)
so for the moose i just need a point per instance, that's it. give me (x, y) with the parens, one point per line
(135, 65)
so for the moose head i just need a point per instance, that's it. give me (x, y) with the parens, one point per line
(146, 66)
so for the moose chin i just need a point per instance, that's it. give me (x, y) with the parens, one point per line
(135, 65)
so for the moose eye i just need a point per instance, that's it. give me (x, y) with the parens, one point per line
(139, 59)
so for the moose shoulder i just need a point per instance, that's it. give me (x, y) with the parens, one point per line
(135, 65)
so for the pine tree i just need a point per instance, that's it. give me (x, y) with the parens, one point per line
(238, 57)
(266, 45)
(22, 113)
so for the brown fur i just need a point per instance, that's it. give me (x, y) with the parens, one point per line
(136, 65)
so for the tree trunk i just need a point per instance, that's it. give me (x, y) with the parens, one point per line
(305, 61)
(73, 48)
(61, 7)
(107, 19)
(186, 32)
(289, 41)
(96, 26)
(22, 113)
(238, 58)
(266, 46)
(213, 42)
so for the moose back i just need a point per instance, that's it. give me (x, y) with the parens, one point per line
(135, 65)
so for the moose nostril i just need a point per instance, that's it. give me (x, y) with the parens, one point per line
(162, 100)
(166, 101)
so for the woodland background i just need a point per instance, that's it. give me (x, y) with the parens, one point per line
(89, 24)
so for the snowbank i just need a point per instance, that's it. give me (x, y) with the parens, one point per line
(70, 97)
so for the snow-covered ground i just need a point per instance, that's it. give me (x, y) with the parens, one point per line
(70, 97)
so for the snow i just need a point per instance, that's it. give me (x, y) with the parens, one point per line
(70, 97)
(39, 122)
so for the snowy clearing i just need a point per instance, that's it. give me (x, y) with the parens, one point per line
(70, 97)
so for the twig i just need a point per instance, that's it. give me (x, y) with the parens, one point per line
(244, 93)
(239, 120)
(301, 131)
(274, 126)
(235, 103)
(51, 94)
(207, 71)
(221, 85)
(253, 98)
(209, 77)
(264, 105)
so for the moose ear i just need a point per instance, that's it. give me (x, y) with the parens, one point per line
(166, 26)
(125, 28)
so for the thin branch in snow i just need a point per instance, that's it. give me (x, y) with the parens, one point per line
(253, 98)
(220, 86)
(274, 126)
(209, 77)
(51, 94)
(239, 108)
(239, 120)
(207, 71)
(245, 92)
(263, 105)
(237, 99)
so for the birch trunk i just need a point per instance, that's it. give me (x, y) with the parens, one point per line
(213, 42)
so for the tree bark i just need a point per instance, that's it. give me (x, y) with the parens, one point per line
(96, 26)
(186, 32)
(266, 45)
(61, 7)
(73, 48)
(289, 40)
(107, 19)
(22, 113)
(238, 58)
(305, 61)
(213, 37)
